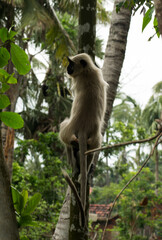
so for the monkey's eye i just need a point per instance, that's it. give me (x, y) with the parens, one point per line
(83, 63)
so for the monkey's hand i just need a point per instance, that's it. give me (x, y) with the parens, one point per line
(94, 141)
(73, 138)
(74, 142)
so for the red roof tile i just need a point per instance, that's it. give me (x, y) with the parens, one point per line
(101, 210)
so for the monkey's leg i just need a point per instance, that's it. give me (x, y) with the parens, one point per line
(83, 167)
(66, 133)
(71, 153)
(90, 158)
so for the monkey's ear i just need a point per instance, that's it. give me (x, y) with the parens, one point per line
(83, 62)
(69, 60)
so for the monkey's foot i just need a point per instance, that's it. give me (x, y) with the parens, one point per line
(90, 141)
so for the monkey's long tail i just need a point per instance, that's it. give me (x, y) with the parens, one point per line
(82, 137)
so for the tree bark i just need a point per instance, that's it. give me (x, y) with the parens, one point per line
(115, 54)
(158, 10)
(87, 27)
(8, 223)
(62, 227)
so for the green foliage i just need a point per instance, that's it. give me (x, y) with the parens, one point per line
(134, 4)
(123, 162)
(38, 169)
(11, 119)
(20, 59)
(153, 108)
(126, 131)
(24, 206)
(95, 231)
(6, 35)
(103, 16)
(135, 206)
(4, 101)
(105, 194)
(144, 4)
(147, 17)
(127, 110)
(6, 79)
(21, 63)
(123, 158)
(120, 132)
(156, 27)
(4, 57)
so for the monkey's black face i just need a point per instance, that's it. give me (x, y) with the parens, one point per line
(70, 68)
(76, 67)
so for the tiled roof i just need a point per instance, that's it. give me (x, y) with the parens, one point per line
(101, 210)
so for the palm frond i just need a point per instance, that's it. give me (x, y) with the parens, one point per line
(34, 14)
(157, 88)
(103, 16)
(38, 64)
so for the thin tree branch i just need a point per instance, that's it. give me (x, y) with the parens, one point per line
(125, 143)
(159, 135)
(95, 236)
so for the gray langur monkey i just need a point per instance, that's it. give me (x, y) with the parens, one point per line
(87, 113)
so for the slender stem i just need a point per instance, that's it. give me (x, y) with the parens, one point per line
(125, 143)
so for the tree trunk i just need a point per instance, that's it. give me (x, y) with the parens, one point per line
(87, 27)
(115, 54)
(62, 227)
(8, 223)
(158, 10)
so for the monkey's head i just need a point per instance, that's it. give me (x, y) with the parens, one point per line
(79, 63)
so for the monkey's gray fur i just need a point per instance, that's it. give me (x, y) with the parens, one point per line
(88, 109)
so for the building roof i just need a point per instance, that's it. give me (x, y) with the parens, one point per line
(101, 210)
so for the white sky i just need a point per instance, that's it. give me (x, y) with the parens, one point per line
(142, 67)
(143, 63)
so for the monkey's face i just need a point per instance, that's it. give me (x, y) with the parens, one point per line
(70, 67)
(76, 66)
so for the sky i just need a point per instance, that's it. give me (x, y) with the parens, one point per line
(142, 67)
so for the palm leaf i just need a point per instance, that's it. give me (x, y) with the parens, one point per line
(157, 88)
